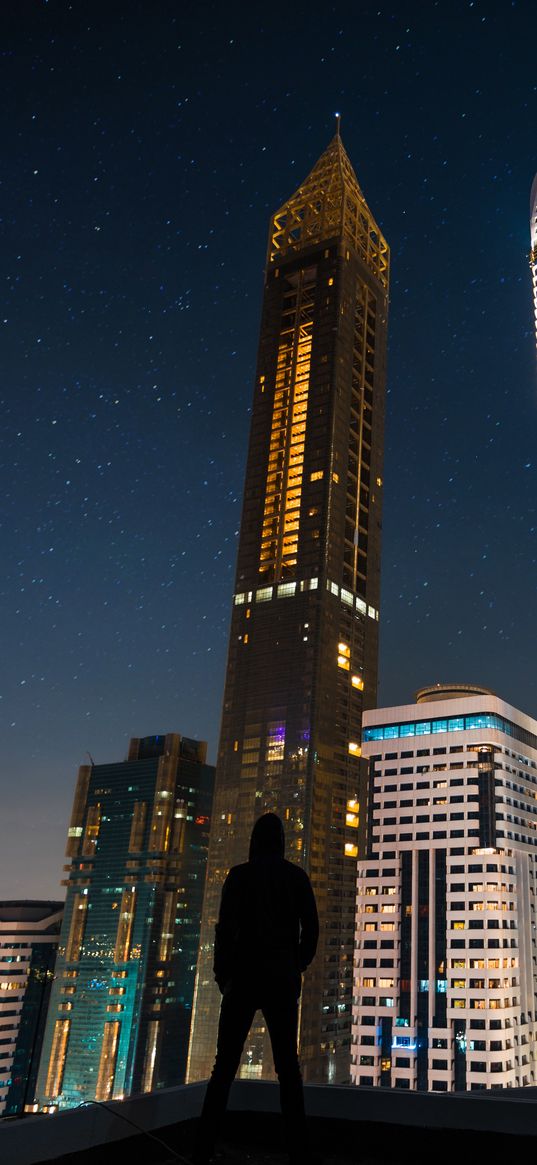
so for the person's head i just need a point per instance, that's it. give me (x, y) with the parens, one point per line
(268, 838)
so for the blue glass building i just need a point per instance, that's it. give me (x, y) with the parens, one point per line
(120, 1009)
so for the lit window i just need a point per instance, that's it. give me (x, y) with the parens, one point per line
(353, 820)
(335, 477)
(57, 1057)
(107, 1063)
(351, 851)
(275, 742)
(354, 748)
(263, 594)
(357, 682)
(344, 649)
(342, 662)
(317, 475)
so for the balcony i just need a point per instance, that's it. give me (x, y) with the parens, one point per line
(348, 1125)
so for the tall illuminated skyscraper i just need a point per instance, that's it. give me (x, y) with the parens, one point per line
(120, 1008)
(533, 251)
(304, 634)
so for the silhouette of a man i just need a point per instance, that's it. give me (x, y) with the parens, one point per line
(266, 936)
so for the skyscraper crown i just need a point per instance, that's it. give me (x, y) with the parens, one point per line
(329, 204)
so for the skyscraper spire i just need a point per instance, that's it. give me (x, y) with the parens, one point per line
(327, 204)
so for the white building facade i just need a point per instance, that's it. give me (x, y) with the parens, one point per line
(29, 934)
(446, 956)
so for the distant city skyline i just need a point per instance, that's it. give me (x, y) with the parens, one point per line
(143, 156)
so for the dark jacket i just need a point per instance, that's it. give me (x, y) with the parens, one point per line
(268, 926)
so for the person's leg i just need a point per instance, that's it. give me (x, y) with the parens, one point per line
(280, 1008)
(237, 1011)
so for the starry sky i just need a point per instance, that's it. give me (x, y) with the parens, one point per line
(145, 145)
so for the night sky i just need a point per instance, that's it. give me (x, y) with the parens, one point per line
(144, 147)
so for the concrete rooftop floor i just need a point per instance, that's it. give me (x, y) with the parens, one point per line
(349, 1126)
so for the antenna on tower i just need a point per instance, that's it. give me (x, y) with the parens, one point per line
(91, 759)
(338, 124)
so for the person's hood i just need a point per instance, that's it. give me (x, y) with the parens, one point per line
(268, 838)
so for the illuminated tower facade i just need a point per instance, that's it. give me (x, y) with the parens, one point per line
(533, 251)
(121, 1003)
(302, 658)
(446, 944)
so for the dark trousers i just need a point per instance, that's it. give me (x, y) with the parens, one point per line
(278, 1002)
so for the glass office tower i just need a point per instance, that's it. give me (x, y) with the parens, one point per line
(120, 1009)
(302, 658)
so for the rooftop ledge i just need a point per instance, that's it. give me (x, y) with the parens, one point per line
(349, 1124)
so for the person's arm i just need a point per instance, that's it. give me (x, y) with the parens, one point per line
(309, 925)
(225, 934)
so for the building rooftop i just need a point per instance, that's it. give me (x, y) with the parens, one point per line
(28, 910)
(349, 1125)
(441, 691)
